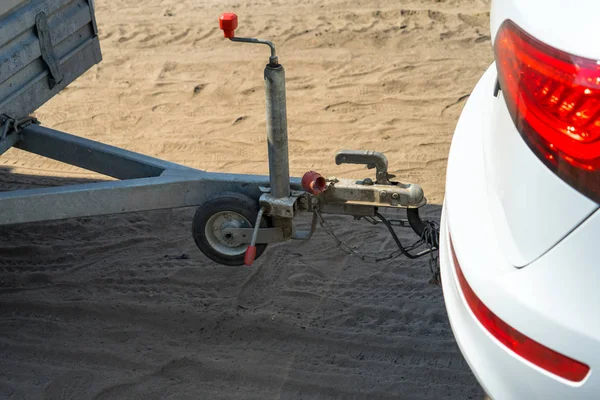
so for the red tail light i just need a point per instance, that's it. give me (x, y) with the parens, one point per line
(554, 100)
(520, 344)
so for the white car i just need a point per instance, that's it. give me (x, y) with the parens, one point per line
(520, 232)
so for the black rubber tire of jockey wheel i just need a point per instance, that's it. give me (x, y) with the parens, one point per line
(225, 210)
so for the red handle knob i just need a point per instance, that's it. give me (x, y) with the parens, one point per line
(228, 22)
(250, 255)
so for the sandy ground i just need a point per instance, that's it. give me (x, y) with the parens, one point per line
(126, 307)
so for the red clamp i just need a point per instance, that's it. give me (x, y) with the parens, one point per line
(228, 22)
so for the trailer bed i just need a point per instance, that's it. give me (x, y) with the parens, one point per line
(44, 46)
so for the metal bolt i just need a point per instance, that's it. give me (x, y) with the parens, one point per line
(383, 193)
(395, 196)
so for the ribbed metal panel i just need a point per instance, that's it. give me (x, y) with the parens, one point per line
(26, 81)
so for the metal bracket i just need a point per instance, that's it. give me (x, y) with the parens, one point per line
(497, 88)
(7, 122)
(284, 207)
(94, 24)
(48, 55)
(371, 159)
(241, 236)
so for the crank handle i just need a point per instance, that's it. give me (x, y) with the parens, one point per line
(251, 250)
(228, 22)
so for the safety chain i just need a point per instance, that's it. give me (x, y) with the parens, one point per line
(431, 230)
(6, 122)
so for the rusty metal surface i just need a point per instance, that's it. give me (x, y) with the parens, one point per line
(359, 193)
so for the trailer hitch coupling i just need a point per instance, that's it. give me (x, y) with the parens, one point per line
(274, 211)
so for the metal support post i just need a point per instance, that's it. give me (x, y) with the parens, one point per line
(279, 170)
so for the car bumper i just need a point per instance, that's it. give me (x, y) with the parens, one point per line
(502, 373)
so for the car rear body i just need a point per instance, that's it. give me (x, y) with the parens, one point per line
(522, 236)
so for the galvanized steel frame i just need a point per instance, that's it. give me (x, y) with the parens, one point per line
(145, 183)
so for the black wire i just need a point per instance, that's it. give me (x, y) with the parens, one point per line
(428, 237)
(398, 243)
(431, 235)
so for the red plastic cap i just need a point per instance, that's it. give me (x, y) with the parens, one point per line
(250, 255)
(313, 182)
(228, 23)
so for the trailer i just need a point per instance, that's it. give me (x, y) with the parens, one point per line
(47, 44)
